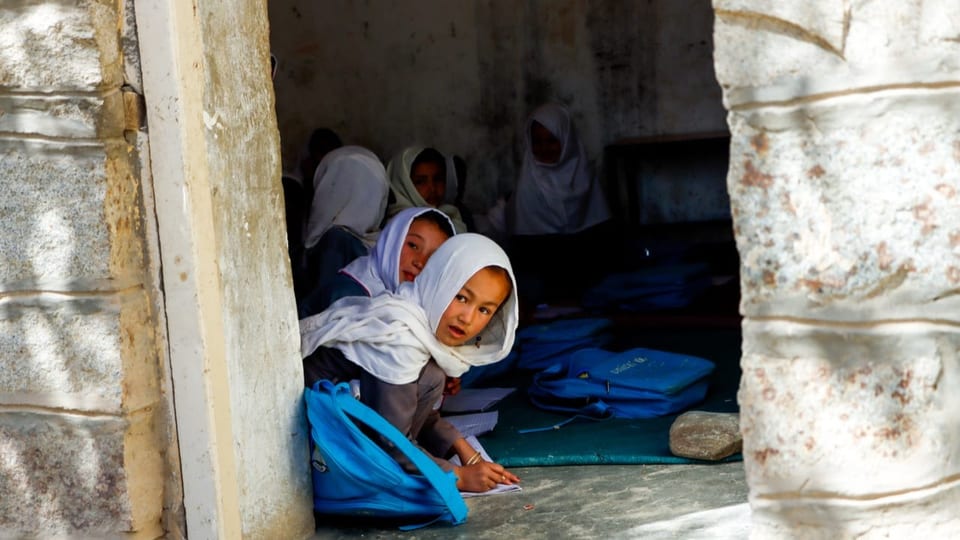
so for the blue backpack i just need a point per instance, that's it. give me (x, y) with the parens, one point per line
(638, 383)
(353, 476)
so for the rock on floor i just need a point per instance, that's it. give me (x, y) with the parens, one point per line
(706, 435)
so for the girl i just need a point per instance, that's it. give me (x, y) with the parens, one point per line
(418, 177)
(461, 311)
(558, 208)
(349, 201)
(402, 250)
(556, 192)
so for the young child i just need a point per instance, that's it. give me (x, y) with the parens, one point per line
(558, 208)
(298, 189)
(348, 205)
(418, 177)
(402, 249)
(460, 312)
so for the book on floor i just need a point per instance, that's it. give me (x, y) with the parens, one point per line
(474, 399)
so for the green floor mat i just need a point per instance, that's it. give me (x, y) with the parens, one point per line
(615, 441)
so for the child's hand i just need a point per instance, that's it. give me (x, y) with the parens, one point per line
(452, 387)
(483, 476)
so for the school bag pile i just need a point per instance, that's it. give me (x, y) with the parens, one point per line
(572, 373)
(637, 383)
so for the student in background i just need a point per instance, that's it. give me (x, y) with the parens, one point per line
(460, 312)
(418, 177)
(557, 216)
(298, 190)
(348, 206)
(321, 142)
(402, 249)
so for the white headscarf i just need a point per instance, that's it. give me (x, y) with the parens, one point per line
(380, 270)
(350, 190)
(398, 171)
(559, 198)
(393, 336)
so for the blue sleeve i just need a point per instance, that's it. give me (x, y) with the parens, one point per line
(340, 286)
(336, 249)
(337, 287)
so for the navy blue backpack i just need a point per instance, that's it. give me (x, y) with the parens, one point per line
(638, 383)
(353, 476)
(542, 345)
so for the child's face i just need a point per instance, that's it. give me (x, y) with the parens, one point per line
(430, 181)
(473, 307)
(423, 238)
(545, 147)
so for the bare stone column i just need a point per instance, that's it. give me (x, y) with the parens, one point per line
(844, 172)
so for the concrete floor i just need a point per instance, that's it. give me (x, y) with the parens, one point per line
(658, 502)
(603, 501)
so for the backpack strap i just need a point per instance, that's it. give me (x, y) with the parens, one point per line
(437, 478)
(596, 411)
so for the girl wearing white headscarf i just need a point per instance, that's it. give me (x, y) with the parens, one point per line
(298, 190)
(455, 315)
(400, 253)
(560, 196)
(380, 271)
(350, 190)
(399, 171)
(558, 209)
(349, 201)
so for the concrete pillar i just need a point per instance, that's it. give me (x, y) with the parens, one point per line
(232, 324)
(844, 178)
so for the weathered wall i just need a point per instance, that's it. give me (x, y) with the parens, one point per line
(260, 322)
(232, 325)
(464, 75)
(87, 446)
(845, 157)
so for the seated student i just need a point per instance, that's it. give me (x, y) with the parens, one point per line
(322, 141)
(298, 189)
(418, 177)
(557, 217)
(402, 249)
(460, 312)
(428, 229)
(348, 205)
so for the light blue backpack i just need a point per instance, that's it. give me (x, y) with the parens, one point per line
(353, 476)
